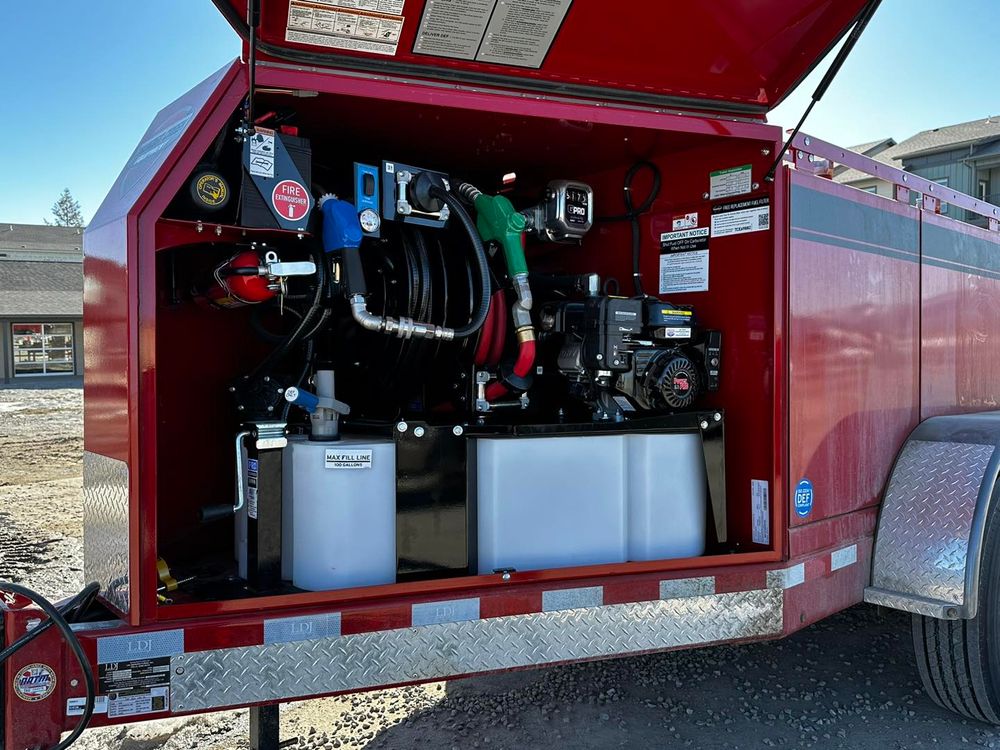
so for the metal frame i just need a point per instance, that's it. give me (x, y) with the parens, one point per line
(806, 147)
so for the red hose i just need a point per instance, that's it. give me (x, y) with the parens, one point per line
(525, 361)
(499, 332)
(486, 339)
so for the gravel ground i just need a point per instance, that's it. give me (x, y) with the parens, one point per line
(848, 682)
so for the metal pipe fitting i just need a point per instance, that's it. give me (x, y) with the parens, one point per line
(404, 328)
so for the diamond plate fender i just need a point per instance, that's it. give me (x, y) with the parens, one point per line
(931, 530)
(105, 527)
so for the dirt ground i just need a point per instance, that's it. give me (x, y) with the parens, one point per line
(848, 682)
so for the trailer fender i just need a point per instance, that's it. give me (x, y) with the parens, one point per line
(931, 530)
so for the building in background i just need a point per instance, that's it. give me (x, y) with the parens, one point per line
(963, 157)
(41, 303)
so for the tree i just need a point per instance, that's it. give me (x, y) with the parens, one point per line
(67, 211)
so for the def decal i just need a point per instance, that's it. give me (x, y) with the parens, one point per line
(34, 682)
(291, 200)
(803, 498)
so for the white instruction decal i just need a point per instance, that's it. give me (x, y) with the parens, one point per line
(760, 511)
(262, 153)
(343, 459)
(684, 272)
(741, 218)
(505, 32)
(360, 30)
(726, 183)
(395, 7)
(453, 28)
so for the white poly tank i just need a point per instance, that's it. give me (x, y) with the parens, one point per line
(667, 496)
(339, 512)
(550, 502)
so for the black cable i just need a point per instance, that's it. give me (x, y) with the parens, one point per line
(71, 610)
(56, 617)
(478, 251)
(296, 335)
(633, 212)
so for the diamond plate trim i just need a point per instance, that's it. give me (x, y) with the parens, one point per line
(922, 546)
(239, 676)
(105, 527)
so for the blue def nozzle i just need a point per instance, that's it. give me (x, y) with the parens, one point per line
(341, 227)
(303, 399)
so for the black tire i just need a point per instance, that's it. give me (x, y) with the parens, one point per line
(959, 660)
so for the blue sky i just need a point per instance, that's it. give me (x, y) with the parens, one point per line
(80, 81)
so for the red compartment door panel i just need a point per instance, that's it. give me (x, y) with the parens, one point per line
(854, 355)
(722, 54)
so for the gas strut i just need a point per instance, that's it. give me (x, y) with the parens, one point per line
(865, 16)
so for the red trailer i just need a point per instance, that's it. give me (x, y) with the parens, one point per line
(387, 383)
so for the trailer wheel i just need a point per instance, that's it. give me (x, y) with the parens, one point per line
(959, 660)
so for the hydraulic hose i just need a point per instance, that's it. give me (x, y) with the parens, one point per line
(58, 619)
(522, 368)
(479, 253)
(633, 212)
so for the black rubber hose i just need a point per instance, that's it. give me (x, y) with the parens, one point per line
(56, 617)
(479, 253)
(304, 325)
(633, 212)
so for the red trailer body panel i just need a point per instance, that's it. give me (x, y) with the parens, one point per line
(854, 355)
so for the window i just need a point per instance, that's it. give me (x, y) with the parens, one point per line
(984, 190)
(871, 189)
(42, 348)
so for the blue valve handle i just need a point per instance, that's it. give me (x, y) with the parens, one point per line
(303, 399)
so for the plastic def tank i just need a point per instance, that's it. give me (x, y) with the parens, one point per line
(553, 502)
(339, 512)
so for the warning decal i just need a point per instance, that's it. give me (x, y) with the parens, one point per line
(684, 272)
(290, 200)
(141, 686)
(359, 25)
(504, 32)
(262, 153)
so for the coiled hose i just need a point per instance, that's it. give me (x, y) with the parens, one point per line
(479, 253)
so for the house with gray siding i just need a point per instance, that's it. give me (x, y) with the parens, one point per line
(964, 157)
(41, 304)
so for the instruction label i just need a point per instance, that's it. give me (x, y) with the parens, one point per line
(742, 217)
(262, 153)
(504, 32)
(726, 183)
(252, 468)
(760, 504)
(359, 25)
(341, 459)
(141, 686)
(75, 706)
(684, 272)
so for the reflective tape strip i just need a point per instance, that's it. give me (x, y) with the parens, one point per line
(286, 629)
(841, 558)
(435, 613)
(786, 578)
(152, 645)
(681, 587)
(590, 596)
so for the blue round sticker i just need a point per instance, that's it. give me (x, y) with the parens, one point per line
(804, 498)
